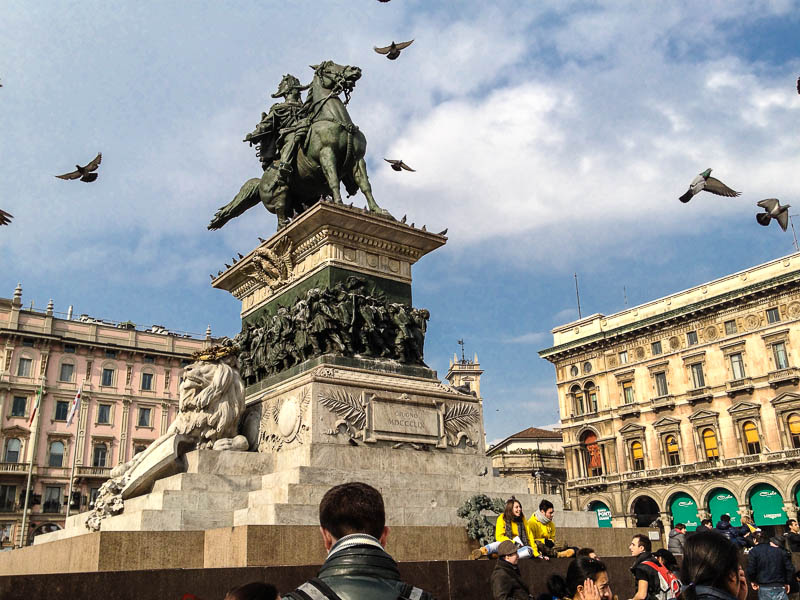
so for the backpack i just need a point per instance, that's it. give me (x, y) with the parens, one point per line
(669, 584)
(316, 589)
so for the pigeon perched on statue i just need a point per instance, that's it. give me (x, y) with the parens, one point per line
(392, 51)
(398, 164)
(86, 173)
(773, 209)
(704, 182)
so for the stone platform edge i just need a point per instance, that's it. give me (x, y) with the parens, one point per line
(255, 545)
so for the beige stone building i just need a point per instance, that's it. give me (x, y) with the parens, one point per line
(533, 454)
(687, 406)
(130, 381)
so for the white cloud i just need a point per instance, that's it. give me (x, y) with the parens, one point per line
(534, 337)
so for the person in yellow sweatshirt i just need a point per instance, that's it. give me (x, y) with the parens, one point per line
(511, 525)
(544, 531)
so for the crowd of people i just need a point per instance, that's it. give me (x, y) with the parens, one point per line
(354, 533)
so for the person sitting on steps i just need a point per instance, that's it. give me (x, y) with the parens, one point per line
(544, 532)
(511, 526)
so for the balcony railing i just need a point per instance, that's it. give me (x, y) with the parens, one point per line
(11, 467)
(666, 401)
(743, 385)
(781, 376)
(629, 410)
(104, 472)
(687, 469)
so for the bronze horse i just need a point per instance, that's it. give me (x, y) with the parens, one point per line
(333, 151)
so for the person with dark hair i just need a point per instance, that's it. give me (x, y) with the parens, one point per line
(726, 528)
(677, 537)
(587, 552)
(705, 525)
(646, 577)
(769, 569)
(511, 526)
(352, 522)
(793, 535)
(586, 579)
(667, 560)
(506, 580)
(712, 569)
(257, 590)
(544, 532)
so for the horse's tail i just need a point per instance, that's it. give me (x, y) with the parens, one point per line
(247, 198)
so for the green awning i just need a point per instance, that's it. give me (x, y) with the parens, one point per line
(684, 510)
(767, 505)
(723, 502)
(603, 513)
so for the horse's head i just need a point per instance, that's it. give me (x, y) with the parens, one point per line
(337, 78)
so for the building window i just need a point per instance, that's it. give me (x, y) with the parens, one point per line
(794, 430)
(661, 384)
(99, 455)
(108, 377)
(655, 348)
(591, 397)
(111, 354)
(698, 381)
(627, 392)
(185, 362)
(691, 338)
(13, 446)
(24, 367)
(751, 441)
(637, 456)
(147, 382)
(587, 367)
(737, 365)
(104, 414)
(144, 417)
(578, 407)
(573, 370)
(779, 353)
(56, 454)
(673, 453)
(710, 444)
(138, 449)
(18, 406)
(93, 492)
(69, 348)
(66, 372)
(7, 495)
(773, 316)
(27, 342)
(62, 408)
(149, 359)
(591, 454)
(52, 499)
(623, 357)
(730, 327)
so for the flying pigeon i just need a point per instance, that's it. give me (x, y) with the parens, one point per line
(398, 164)
(392, 51)
(773, 210)
(5, 218)
(798, 85)
(704, 181)
(84, 173)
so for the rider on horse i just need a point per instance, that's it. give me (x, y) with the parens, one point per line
(283, 129)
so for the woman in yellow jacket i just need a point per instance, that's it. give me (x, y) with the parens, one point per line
(511, 525)
(543, 531)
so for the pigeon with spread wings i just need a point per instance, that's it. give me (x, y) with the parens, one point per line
(398, 164)
(392, 51)
(704, 182)
(86, 173)
(773, 210)
(5, 218)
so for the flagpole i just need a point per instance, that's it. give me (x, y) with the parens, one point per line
(76, 402)
(32, 450)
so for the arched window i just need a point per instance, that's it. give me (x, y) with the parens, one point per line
(12, 450)
(794, 429)
(673, 452)
(56, 454)
(577, 401)
(637, 456)
(710, 444)
(99, 455)
(591, 397)
(751, 440)
(591, 454)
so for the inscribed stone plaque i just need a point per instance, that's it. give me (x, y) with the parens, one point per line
(398, 420)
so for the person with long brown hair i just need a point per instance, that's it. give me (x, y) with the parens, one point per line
(513, 526)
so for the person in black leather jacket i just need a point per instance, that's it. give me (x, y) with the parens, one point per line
(711, 568)
(352, 521)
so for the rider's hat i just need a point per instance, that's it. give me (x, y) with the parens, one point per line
(289, 83)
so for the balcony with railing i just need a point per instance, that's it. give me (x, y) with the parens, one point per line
(783, 376)
(629, 410)
(99, 472)
(10, 468)
(739, 386)
(662, 402)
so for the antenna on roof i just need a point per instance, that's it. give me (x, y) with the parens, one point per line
(794, 233)
(461, 343)
(625, 295)
(578, 296)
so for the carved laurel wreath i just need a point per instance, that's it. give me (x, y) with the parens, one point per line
(458, 417)
(273, 268)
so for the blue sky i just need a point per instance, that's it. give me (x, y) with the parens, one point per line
(549, 137)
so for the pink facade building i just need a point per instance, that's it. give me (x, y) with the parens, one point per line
(130, 380)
